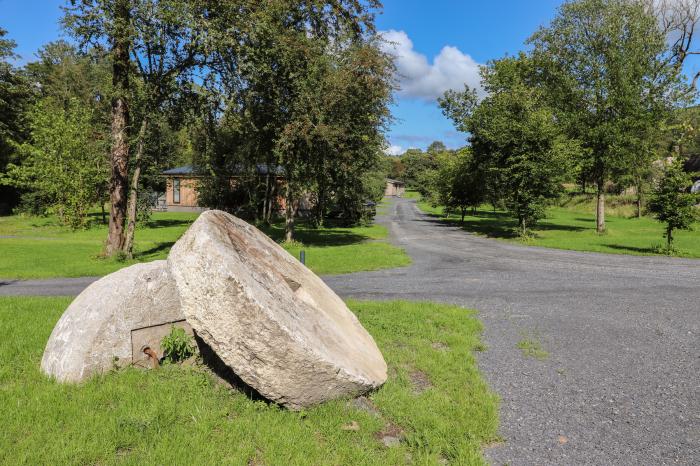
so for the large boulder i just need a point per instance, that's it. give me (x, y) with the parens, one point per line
(111, 322)
(276, 324)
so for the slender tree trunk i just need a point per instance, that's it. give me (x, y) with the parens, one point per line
(289, 212)
(134, 192)
(119, 154)
(464, 212)
(669, 239)
(104, 213)
(600, 208)
(639, 200)
(266, 200)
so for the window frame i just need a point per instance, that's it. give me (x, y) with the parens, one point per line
(177, 195)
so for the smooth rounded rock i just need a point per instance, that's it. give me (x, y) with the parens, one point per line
(95, 333)
(278, 326)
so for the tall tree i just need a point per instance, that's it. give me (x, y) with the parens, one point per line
(63, 162)
(515, 137)
(610, 82)
(284, 70)
(15, 96)
(153, 46)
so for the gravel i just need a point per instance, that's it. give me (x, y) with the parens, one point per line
(621, 383)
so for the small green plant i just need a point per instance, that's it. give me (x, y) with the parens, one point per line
(533, 348)
(177, 345)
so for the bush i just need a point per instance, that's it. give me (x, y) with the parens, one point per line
(177, 346)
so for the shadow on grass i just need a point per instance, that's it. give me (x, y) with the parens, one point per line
(496, 224)
(160, 247)
(316, 237)
(621, 247)
(167, 223)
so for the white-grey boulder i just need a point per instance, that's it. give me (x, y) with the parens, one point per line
(278, 326)
(95, 333)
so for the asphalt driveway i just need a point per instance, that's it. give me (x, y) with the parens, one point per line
(621, 383)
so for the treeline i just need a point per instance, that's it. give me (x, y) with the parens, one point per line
(300, 87)
(595, 101)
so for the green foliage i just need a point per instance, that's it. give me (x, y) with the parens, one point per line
(313, 101)
(177, 345)
(458, 182)
(672, 202)
(63, 163)
(15, 96)
(418, 169)
(517, 145)
(181, 415)
(604, 65)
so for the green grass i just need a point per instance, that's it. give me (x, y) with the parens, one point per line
(532, 347)
(37, 247)
(572, 226)
(179, 415)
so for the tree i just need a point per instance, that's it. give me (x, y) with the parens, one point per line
(303, 86)
(515, 138)
(436, 147)
(15, 96)
(610, 83)
(672, 202)
(153, 46)
(63, 162)
(458, 182)
(419, 167)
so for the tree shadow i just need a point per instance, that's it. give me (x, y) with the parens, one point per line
(496, 224)
(168, 222)
(621, 247)
(316, 237)
(160, 247)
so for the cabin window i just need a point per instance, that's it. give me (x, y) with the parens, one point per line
(176, 191)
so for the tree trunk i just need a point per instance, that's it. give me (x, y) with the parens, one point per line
(600, 209)
(289, 212)
(639, 200)
(133, 193)
(119, 154)
(669, 240)
(266, 199)
(464, 212)
(104, 214)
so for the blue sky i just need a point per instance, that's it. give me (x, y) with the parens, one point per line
(439, 44)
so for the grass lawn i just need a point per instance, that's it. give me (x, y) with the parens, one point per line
(37, 247)
(179, 415)
(572, 226)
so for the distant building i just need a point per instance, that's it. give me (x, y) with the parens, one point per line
(394, 188)
(181, 186)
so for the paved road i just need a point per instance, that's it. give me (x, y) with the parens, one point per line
(622, 381)
(46, 287)
(621, 384)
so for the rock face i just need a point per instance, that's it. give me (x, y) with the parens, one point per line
(275, 323)
(95, 333)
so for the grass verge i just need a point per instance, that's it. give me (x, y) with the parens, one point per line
(37, 247)
(573, 227)
(435, 401)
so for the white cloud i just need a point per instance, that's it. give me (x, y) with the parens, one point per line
(394, 150)
(419, 79)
